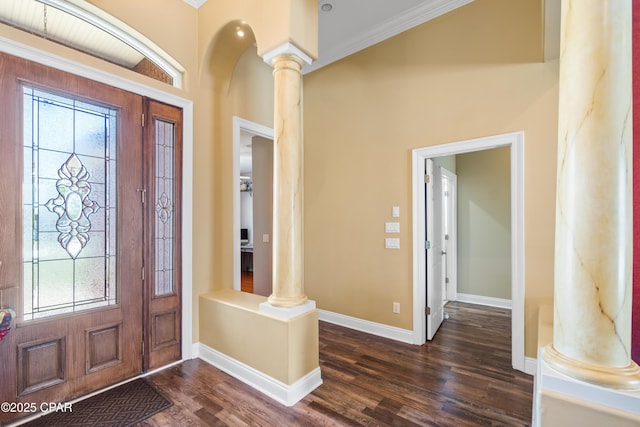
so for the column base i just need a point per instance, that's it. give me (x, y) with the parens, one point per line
(616, 378)
(287, 312)
(287, 302)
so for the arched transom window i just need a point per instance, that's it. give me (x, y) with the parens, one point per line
(86, 28)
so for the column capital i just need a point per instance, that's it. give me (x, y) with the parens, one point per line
(287, 48)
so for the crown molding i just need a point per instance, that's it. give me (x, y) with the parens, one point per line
(195, 3)
(391, 27)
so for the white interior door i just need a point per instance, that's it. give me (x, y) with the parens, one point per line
(450, 227)
(434, 251)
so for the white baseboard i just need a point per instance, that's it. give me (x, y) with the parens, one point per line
(530, 365)
(480, 300)
(286, 394)
(367, 326)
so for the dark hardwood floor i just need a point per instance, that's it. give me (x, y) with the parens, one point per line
(461, 378)
(246, 281)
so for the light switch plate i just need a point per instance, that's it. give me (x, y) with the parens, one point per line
(265, 238)
(395, 211)
(392, 227)
(392, 243)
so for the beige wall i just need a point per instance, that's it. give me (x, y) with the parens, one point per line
(484, 223)
(263, 215)
(471, 73)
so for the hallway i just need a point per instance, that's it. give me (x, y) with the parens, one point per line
(462, 378)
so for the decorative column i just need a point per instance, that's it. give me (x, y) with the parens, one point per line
(288, 239)
(593, 246)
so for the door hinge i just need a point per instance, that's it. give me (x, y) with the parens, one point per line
(446, 280)
(143, 194)
(427, 178)
(142, 273)
(142, 347)
(427, 311)
(446, 237)
(142, 120)
(427, 244)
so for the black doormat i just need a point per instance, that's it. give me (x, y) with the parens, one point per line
(121, 406)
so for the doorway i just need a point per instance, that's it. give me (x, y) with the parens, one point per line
(73, 247)
(253, 206)
(516, 143)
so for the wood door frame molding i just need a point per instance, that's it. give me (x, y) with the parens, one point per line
(15, 48)
(516, 143)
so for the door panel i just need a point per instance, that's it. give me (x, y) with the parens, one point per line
(70, 233)
(433, 199)
(450, 226)
(163, 160)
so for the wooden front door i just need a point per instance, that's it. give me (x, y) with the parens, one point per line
(71, 227)
(163, 160)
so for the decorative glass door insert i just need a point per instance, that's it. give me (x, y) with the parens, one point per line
(164, 200)
(69, 204)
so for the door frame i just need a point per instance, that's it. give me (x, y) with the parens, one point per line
(54, 61)
(515, 141)
(256, 129)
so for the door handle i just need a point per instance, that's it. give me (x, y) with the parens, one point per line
(443, 252)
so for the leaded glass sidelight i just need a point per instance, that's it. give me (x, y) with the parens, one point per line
(164, 207)
(69, 204)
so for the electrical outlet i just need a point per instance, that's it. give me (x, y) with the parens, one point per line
(265, 238)
(396, 307)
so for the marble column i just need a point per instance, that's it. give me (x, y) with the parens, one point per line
(593, 247)
(288, 241)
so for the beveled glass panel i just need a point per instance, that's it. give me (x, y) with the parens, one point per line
(56, 283)
(55, 126)
(90, 129)
(69, 216)
(164, 207)
(90, 279)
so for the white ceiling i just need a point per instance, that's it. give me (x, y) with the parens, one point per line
(353, 25)
(53, 23)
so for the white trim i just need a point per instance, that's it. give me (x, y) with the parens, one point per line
(482, 300)
(27, 52)
(287, 312)
(239, 125)
(516, 142)
(285, 394)
(287, 48)
(373, 328)
(111, 25)
(195, 3)
(530, 365)
(423, 12)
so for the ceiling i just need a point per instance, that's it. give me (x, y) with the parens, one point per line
(348, 26)
(51, 22)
